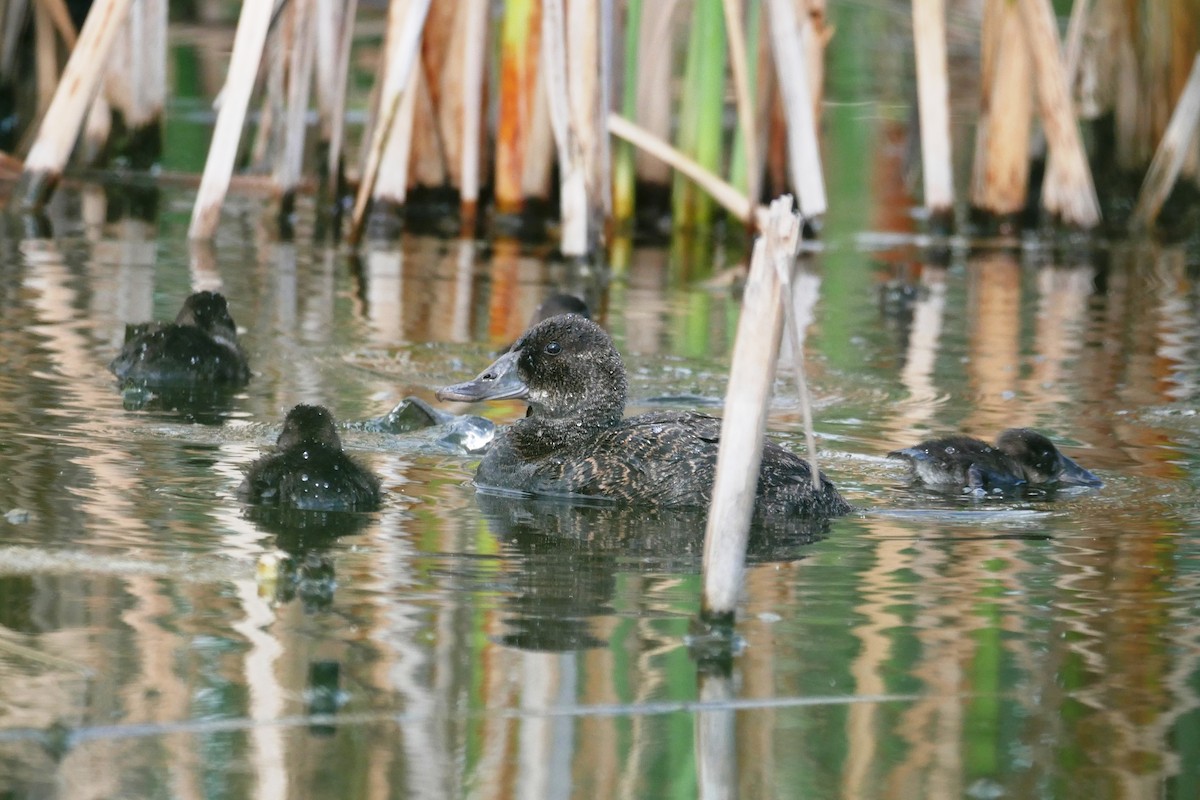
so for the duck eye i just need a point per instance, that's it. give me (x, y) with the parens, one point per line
(553, 349)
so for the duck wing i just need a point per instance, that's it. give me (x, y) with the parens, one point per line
(662, 459)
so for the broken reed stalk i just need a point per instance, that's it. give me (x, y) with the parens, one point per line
(1000, 174)
(933, 99)
(701, 114)
(755, 352)
(725, 194)
(572, 177)
(1168, 160)
(400, 63)
(791, 71)
(1068, 192)
(735, 35)
(61, 124)
(253, 23)
(474, 50)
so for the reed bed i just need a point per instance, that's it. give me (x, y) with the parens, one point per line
(588, 110)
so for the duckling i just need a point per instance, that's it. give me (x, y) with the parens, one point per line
(1020, 457)
(200, 346)
(577, 442)
(309, 470)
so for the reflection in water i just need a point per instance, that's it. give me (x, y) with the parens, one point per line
(455, 644)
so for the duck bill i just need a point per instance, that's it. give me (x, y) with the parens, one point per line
(500, 381)
(1074, 475)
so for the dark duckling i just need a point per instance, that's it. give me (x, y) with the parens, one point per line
(1020, 457)
(201, 345)
(576, 440)
(310, 471)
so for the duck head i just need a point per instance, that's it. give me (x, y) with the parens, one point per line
(565, 367)
(1041, 460)
(209, 312)
(309, 425)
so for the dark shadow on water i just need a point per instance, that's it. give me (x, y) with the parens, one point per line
(571, 553)
(204, 404)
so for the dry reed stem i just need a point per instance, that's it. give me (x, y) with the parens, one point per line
(58, 13)
(791, 70)
(724, 193)
(735, 34)
(537, 167)
(785, 267)
(1172, 150)
(136, 75)
(933, 95)
(81, 78)
(436, 131)
(755, 352)
(1068, 191)
(329, 14)
(437, 135)
(1073, 46)
(299, 83)
(334, 114)
(1000, 175)
(519, 96)
(572, 176)
(45, 59)
(654, 106)
(248, 44)
(474, 47)
(97, 126)
(391, 185)
(12, 20)
(400, 63)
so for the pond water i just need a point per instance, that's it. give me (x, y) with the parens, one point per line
(156, 640)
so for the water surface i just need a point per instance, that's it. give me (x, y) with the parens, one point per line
(157, 640)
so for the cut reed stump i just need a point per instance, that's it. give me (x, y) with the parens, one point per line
(248, 44)
(1176, 144)
(755, 352)
(933, 99)
(61, 125)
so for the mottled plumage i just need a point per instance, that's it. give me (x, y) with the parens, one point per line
(1020, 457)
(309, 470)
(575, 440)
(199, 346)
